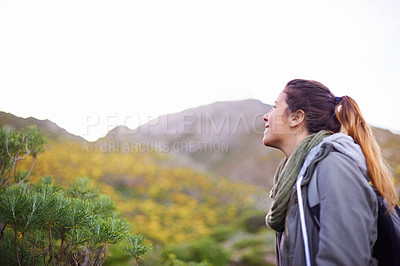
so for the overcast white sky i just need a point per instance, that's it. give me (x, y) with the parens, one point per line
(76, 62)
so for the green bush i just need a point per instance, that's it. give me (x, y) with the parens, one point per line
(40, 219)
(7, 251)
(201, 250)
(255, 257)
(250, 248)
(223, 232)
(248, 242)
(173, 261)
(252, 221)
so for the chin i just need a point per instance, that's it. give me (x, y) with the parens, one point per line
(270, 142)
(265, 141)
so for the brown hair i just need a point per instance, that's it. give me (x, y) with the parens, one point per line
(324, 111)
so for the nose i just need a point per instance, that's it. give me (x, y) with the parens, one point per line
(265, 117)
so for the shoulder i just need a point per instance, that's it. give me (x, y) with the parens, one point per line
(336, 159)
(339, 174)
(337, 163)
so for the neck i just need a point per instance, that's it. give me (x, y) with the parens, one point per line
(292, 143)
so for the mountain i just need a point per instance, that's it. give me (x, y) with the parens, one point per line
(52, 130)
(223, 138)
(390, 144)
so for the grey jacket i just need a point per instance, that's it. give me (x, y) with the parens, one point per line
(348, 211)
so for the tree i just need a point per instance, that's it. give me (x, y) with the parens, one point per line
(21, 210)
(134, 246)
(45, 215)
(16, 146)
(71, 226)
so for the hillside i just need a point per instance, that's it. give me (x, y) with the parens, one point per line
(390, 144)
(52, 130)
(165, 201)
(223, 138)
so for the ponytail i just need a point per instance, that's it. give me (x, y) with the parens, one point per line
(349, 115)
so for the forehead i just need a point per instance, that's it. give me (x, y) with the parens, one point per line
(281, 97)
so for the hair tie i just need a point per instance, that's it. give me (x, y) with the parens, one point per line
(337, 100)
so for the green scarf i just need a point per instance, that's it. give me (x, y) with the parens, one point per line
(285, 178)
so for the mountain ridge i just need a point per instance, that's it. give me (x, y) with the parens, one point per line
(212, 138)
(53, 131)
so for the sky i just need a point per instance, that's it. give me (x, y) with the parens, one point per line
(91, 65)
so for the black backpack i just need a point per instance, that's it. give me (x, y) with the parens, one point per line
(387, 246)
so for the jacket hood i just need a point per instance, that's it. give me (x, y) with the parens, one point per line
(345, 145)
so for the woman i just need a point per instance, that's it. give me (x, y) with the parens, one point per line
(305, 116)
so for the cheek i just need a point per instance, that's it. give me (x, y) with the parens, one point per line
(274, 122)
(271, 118)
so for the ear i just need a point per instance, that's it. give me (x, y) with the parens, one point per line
(297, 118)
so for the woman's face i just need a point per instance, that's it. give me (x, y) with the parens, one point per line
(276, 123)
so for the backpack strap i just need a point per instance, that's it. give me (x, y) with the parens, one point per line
(313, 195)
(303, 221)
